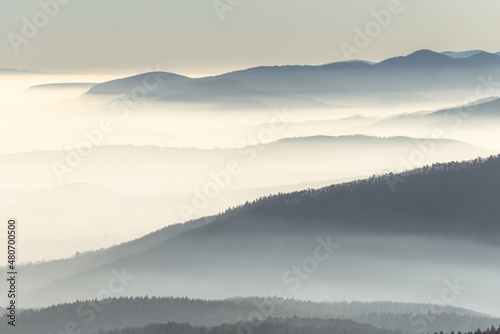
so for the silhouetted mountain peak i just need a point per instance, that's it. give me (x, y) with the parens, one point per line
(150, 79)
(421, 59)
(424, 53)
(483, 58)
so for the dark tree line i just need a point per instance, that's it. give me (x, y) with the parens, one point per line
(456, 197)
(276, 326)
(269, 326)
(118, 313)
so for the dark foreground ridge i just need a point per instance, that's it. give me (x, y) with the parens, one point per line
(185, 315)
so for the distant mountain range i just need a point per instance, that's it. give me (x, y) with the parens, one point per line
(264, 161)
(463, 54)
(16, 71)
(419, 77)
(59, 86)
(341, 64)
(415, 77)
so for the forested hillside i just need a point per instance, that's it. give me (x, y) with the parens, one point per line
(422, 220)
(279, 326)
(120, 313)
(269, 326)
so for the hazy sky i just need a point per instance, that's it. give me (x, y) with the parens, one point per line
(189, 36)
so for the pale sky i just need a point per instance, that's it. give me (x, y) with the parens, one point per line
(189, 37)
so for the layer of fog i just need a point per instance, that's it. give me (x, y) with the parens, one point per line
(119, 192)
(365, 268)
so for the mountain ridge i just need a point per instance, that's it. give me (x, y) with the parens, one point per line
(145, 310)
(319, 85)
(282, 228)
